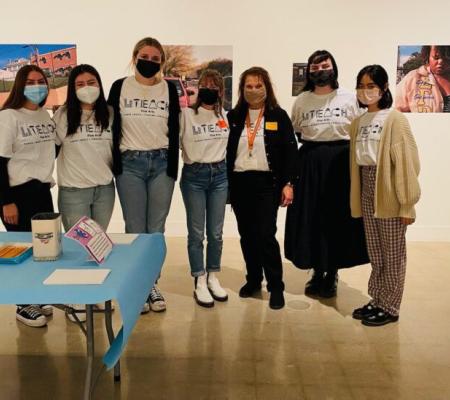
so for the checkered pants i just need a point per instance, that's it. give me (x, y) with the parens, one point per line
(386, 246)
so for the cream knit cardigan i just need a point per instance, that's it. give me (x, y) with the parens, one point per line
(397, 187)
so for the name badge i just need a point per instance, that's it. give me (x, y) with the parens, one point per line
(272, 126)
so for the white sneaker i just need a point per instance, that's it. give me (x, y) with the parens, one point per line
(156, 300)
(201, 292)
(46, 309)
(217, 291)
(80, 316)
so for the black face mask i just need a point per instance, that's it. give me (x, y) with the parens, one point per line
(208, 96)
(147, 68)
(322, 77)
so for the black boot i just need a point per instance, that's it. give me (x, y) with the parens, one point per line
(312, 287)
(329, 285)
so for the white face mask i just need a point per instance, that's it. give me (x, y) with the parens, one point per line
(88, 94)
(368, 96)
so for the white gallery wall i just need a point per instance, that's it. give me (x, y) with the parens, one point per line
(272, 34)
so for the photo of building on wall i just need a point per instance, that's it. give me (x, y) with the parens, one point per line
(298, 78)
(56, 60)
(184, 65)
(423, 79)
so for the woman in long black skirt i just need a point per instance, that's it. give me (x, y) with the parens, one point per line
(320, 233)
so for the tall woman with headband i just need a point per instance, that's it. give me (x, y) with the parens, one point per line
(320, 233)
(261, 157)
(146, 145)
(204, 184)
(27, 156)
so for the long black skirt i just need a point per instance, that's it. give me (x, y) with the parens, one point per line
(320, 232)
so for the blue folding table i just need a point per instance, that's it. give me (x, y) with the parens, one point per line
(134, 270)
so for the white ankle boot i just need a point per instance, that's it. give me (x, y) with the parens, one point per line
(201, 292)
(217, 291)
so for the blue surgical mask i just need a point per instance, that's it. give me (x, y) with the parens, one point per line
(36, 93)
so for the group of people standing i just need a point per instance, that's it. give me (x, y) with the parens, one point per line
(350, 164)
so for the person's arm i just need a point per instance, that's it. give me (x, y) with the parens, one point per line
(405, 157)
(289, 159)
(9, 208)
(296, 118)
(174, 131)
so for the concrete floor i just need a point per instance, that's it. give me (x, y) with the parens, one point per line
(243, 350)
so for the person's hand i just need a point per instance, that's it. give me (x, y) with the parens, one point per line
(11, 214)
(407, 221)
(287, 196)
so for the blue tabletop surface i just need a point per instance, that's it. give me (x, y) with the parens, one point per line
(134, 270)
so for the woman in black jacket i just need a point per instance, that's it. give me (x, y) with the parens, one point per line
(145, 145)
(261, 156)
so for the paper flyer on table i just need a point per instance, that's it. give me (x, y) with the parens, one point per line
(77, 277)
(92, 237)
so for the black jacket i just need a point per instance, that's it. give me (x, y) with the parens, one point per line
(173, 124)
(280, 143)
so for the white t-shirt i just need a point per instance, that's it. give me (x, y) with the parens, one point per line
(258, 160)
(369, 136)
(27, 138)
(204, 136)
(145, 112)
(325, 118)
(85, 158)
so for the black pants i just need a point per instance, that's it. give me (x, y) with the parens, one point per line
(30, 198)
(255, 201)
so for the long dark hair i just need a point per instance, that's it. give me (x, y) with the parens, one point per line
(379, 75)
(315, 58)
(73, 105)
(16, 98)
(271, 101)
(216, 77)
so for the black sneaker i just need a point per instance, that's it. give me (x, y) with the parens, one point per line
(156, 300)
(329, 285)
(276, 300)
(364, 312)
(31, 315)
(312, 287)
(248, 290)
(379, 318)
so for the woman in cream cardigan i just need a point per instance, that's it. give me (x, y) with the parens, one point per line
(384, 190)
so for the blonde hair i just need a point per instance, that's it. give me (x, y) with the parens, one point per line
(152, 42)
(217, 78)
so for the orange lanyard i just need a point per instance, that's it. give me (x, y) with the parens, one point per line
(251, 135)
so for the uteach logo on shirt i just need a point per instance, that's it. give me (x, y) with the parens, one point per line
(203, 132)
(367, 130)
(90, 131)
(146, 107)
(34, 133)
(325, 114)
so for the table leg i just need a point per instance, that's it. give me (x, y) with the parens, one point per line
(90, 351)
(110, 331)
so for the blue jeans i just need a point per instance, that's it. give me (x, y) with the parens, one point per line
(145, 190)
(95, 202)
(205, 189)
